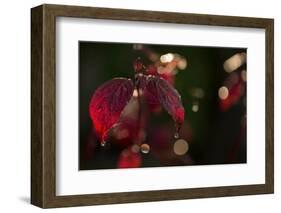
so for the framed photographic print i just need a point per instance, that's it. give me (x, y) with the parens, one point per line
(135, 106)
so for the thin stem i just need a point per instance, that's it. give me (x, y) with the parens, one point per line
(138, 141)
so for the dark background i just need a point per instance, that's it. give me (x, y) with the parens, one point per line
(214, 136)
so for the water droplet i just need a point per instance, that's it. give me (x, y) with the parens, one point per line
(178, 127)
(145, 148)
(176, 135)
(103, 143)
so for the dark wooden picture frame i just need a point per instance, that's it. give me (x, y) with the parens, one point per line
(43, 105)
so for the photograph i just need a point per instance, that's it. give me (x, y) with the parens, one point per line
(160, 105)
(135, 105)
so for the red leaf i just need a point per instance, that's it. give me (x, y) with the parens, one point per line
(108, 102)
(140, 81)
(158, 89)
(150, 92)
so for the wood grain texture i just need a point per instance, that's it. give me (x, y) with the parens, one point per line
(269, 120)
(36, 106)
(43, 105)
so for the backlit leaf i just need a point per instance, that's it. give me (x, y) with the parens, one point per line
(108, 102)
(159, 90)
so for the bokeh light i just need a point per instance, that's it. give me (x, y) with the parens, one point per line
(166, 58)
(182, 64)
(197, 92)
(223, 93)
(234, 62)
(195, 107)
(181, 147)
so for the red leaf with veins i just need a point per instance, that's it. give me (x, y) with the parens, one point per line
(159, 90)
(108, 102)
(150, 91)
